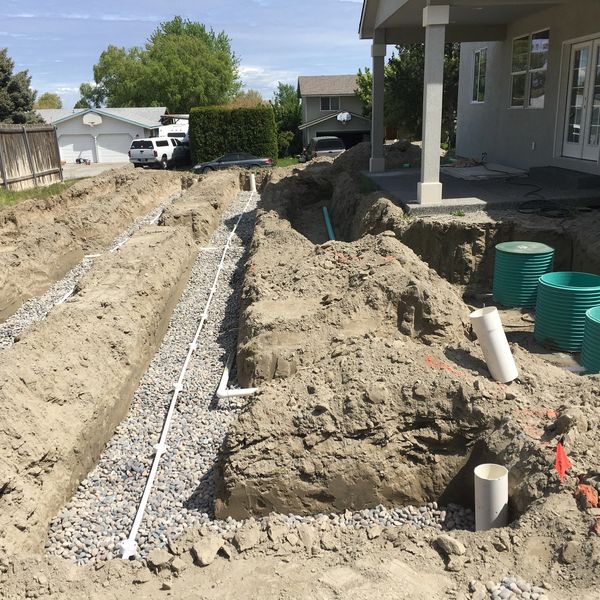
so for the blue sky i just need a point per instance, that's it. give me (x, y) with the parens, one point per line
(276, 40)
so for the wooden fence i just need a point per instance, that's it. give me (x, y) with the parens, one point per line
(29, 156)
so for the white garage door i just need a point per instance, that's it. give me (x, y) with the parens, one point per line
(73, 146)
(113, 147)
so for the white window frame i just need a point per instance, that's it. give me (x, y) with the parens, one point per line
(527, 100)
(329, 98)
(478, 75)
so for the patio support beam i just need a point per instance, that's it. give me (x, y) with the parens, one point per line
(435, 19)
(378, 50)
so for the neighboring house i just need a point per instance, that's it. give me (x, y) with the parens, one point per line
(101, 134)
(330, 106)
(529, 79)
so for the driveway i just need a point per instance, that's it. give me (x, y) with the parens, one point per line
(74, 171)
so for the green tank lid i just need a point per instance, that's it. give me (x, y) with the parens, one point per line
(524, 248)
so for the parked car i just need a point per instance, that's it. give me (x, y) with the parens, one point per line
(327, 145)
(161, 152)
(235, 159)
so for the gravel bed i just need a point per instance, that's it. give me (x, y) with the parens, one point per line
(36, 309)
(101, 512)
(99, 517)
(509, 587)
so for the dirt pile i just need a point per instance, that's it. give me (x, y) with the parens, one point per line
(68, 382)
(397, 156)
(41, 240)
(462, 248)
(202, 205)
(377, 392)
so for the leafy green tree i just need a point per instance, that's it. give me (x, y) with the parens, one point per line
(48, 100)
(288, 116)
(16, 95)
(403, 99)
(247, 99)
(182, 65)
(92, 96)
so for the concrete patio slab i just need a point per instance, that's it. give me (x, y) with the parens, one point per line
(467, 196)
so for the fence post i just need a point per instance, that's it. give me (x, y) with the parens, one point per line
(57, 150)
(3, 170)
(27, 147)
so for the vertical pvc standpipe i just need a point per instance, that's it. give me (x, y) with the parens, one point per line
(492, 339)
(252, 182)
(491, 496)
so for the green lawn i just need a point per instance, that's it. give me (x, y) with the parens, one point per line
(287, 161)
(8, 197)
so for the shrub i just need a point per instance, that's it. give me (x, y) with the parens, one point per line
(284, 139)
(217, 130)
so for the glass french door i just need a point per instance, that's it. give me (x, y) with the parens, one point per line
(582, 123)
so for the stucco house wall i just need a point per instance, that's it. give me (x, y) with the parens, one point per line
(524, 137)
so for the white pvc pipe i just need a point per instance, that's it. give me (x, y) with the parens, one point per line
(491, 496)
(223, 392)
(492, 339)
(252, 182)
(129, 546)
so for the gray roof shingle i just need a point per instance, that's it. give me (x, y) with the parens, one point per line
(327, 85)
(146, 116)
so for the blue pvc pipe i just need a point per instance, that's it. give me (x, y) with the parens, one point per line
(328, 224)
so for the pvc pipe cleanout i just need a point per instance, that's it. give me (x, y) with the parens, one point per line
(252, 182)
(328, 224)
(223, 392)
(129, 546)
(492, 339)
(491, 496)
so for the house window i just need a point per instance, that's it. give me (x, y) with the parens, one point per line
(479, 75)
(330, 103)
(529, 67)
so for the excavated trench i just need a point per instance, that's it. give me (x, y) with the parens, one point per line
(75, 371)
(373, 388)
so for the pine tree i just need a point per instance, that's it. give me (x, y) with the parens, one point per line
(16, 96)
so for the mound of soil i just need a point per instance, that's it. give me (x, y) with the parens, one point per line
(372, 388)
(69, 380)
(202, 205)
(397, 156)
(41, 240)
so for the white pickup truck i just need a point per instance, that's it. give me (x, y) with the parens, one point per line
(161, 152)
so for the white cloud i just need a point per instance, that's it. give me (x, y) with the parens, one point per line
(265, 79)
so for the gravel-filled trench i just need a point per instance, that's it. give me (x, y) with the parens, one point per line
(37, 308)
(101, 512)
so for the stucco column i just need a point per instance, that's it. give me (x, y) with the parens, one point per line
(435, 19)
(377, 162)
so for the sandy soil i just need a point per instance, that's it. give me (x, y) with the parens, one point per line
(373, 390)
(41, 240)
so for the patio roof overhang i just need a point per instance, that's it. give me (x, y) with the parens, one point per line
(470, 20)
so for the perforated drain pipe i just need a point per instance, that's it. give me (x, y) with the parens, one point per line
(223, 392)
(129, 546)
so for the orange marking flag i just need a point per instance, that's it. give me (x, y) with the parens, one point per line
(562, 463)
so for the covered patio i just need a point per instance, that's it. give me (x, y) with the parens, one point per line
(551, 187)
(433, 22)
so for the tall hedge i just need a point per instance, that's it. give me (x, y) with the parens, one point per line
(218, 130)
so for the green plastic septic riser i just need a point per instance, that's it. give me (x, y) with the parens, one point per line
(590, 353)
(563, 299)
(517, 270)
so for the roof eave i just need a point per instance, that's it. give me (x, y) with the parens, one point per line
(107, 114)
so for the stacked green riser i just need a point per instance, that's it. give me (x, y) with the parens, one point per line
(590, 353)
(517, 270)
(563, 299)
